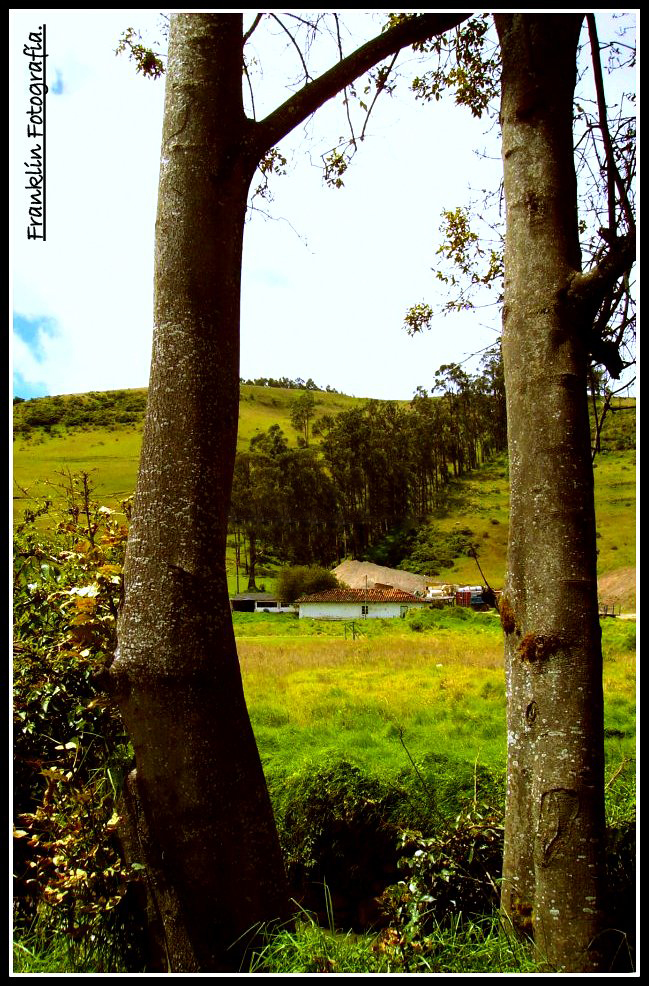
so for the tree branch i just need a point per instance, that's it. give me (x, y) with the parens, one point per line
(302, 104)
(252, 27)
(379, 90)
(307, 74)
(590, 287)
(613, 175)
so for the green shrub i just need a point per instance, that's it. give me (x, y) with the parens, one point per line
(433, 550)
(454, 872)
(336, 827)
(294, 581)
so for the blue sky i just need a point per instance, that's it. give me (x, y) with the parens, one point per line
(327, 276)
(32, 338)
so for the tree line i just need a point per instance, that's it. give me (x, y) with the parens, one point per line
(378, 466)
(286, 383)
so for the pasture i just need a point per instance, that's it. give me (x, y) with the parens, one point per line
(393, 695)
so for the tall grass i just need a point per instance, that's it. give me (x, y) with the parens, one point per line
(396, 694)
(462, 947)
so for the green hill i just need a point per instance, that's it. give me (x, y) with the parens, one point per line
(101, 434)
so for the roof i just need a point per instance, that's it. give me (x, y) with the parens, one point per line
(361, 596)
(258, 596)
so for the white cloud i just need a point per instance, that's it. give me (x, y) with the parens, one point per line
(93, 275)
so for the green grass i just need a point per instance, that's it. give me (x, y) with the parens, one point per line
(34, 955)
(314, 694)
(420, 712)
(464, 948)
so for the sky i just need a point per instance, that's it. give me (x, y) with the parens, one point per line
(328, 275)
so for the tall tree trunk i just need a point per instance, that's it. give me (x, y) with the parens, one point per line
(201, 812)
(199, 779)
(553, 880)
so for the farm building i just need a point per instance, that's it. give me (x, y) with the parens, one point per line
(258, 602)
(358, 604)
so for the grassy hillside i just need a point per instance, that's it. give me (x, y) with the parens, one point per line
(101, 433)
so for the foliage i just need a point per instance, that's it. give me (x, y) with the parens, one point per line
(468, 64)
(285, 383)
(335, 828)
(283, 504)
(391, 464)
(433, 550)
(454, 872)
(110, 409)
(70, 748)
(301, 414)
(302, 580)
(147, 61)
(484, 945)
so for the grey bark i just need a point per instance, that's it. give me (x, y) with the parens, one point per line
(553, 880)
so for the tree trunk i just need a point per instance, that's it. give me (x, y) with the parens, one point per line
(553, 879)
(203, 817)
(252, 563)
(211, 833)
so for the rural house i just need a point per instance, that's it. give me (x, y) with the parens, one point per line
(357, 604)
(258, 602)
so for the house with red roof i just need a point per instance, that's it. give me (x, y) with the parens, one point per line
(357, 604)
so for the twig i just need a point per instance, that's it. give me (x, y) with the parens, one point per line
(617, 773)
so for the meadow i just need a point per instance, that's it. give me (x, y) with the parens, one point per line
(365, 731)
(397, 691)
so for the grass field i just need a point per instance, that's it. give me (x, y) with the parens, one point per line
(438, 696)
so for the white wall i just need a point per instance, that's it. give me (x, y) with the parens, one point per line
(349, 611)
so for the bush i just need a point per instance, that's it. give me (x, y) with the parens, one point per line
(433, 550)
(70, 747)
(454, 872)
(302, 580)
(336, 828)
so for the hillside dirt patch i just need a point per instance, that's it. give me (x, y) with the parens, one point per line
(619, 588)
(354, 574)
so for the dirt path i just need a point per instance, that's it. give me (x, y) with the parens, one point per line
(619, 588)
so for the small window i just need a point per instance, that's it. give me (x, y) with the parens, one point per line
(365, 610)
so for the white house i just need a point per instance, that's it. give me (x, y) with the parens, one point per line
(358, 604)
(258, 602)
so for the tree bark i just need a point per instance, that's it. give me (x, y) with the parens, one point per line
(553, 879)
(204, 821)
(199, 777)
